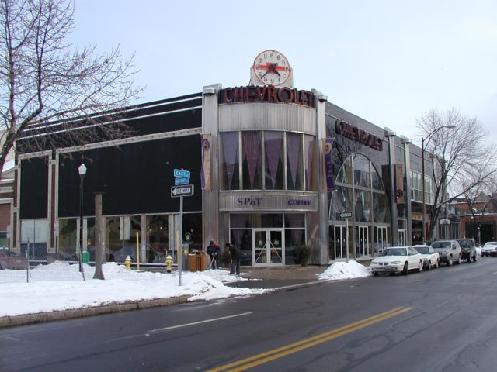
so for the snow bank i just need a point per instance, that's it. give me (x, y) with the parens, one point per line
(59, 286)
(344, 270)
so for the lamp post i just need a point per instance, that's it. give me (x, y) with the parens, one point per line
(82, 172)
(423, 172)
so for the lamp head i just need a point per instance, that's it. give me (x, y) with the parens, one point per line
(82, 169)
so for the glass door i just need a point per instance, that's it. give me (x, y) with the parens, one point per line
(381, 239)
(362, 241)
(402, 237)
(340, 241)
(268, 247)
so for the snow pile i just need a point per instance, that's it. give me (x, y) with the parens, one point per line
(59, 286)
(344, 270)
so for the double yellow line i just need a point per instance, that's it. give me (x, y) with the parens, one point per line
(268, 356)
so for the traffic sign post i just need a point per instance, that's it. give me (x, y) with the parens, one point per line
(182, 188)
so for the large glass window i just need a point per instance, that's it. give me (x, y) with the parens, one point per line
(229, 161)
(252, 160)
(310, 166)
(341, 202)
(35, 232)
(67, 239)
(273, 144)
(158, 238)
(121, 237)
(362, 206)
(361, 171)
(295, 168)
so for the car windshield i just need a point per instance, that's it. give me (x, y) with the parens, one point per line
(441, 245)
(394, 252)
(466, 243)
(423, 250)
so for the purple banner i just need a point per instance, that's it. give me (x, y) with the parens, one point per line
(328, 163)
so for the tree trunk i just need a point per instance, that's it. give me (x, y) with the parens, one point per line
(99, 246)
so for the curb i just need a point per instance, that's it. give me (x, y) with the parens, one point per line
(115, 307)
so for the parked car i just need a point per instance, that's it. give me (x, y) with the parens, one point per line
(449, 251)
(430, 257)
(489, 249)
(9, 260)
(468, 249)
(397, 260)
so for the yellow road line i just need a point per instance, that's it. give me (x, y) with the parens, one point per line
(306, 343)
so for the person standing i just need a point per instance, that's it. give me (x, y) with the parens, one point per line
(235, 258)
(213, 252)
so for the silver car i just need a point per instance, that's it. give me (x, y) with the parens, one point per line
(449, 251)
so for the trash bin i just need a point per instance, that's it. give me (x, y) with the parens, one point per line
(85, 256)
(192, 262)
(203, 260)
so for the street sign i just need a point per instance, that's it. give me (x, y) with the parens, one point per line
(346, 215)
(183, 190)
(181, 181)
(181, 173)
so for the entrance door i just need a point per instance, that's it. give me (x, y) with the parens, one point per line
(402, 237)
(268, 247)
(381, 239)
(340, 242)
(362, 241)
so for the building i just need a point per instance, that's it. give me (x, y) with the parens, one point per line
(273, 168)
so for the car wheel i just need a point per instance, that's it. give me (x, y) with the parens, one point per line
(375, 273)
(405, 270)
(420, 266)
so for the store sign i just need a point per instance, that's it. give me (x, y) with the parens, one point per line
(349, 131)
(230, 201)
(267, 94)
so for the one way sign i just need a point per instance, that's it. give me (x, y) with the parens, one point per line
(182, 190)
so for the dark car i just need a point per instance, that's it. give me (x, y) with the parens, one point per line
(468, 249)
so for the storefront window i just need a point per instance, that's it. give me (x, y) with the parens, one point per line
(363, 206)
(293, 220)
(35, 232)
(252, 160)
(242, 238)
(121, 237)
(192, 230)
(295, 169)
(293, 238)
(345, 172)
(67, 239)
(310, 166)
(341, 201)
(273, 143)
(381, 209)
(158, 238)
(361, 171)
(229, 161)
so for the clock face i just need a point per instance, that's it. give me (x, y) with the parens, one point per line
(271, 68)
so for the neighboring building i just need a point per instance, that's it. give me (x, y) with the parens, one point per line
(281, 168)
(477, 219)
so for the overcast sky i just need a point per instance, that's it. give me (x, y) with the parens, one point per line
(386, 61)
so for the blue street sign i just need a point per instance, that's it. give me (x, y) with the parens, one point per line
(181, 173)
(182, 181)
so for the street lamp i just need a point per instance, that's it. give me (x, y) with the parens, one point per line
(82, 172)
(423, 172)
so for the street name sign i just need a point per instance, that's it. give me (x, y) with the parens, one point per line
(181, 173)
(346, 215)
(182, 190)
(181, 181)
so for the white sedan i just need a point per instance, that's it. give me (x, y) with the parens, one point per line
(397, 260)
(430, 257)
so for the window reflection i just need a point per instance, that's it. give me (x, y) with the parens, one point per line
(273, 143)
(294, 162)
(252, 160)
(229, 161)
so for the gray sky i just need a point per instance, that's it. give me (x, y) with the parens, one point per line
(386, 61)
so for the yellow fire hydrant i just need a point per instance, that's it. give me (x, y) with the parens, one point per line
(169, 264)
(127, 262)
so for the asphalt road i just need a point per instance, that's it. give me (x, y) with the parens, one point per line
(441, 320)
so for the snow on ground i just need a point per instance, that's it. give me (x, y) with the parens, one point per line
(59, 286)
(344, 270)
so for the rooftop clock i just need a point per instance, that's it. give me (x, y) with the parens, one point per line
(271, 68)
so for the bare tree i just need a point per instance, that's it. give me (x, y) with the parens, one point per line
(464, 160)
(44, 79)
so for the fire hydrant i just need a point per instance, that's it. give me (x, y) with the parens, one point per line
(169, 263)
(127, 262)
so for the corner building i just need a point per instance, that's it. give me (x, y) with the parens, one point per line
(272, 168)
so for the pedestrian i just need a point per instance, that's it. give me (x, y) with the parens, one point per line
(235, 258)
(213, 252)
